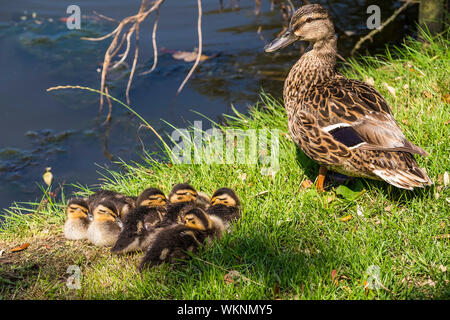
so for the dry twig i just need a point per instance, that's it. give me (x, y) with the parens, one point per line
(200, 47)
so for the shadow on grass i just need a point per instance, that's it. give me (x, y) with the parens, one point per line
(284, 267)
(333, 180)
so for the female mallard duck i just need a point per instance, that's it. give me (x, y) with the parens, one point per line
(172, 242)
(139, 223)
(343, 124)
(77, 221)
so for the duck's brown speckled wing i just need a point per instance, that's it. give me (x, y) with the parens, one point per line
(356, 114)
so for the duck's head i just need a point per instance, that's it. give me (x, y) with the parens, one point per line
(151, 197)
(225, 196)
(77, 209)
(197, 219)
(182, 192)
(310, 23)
(106, 211)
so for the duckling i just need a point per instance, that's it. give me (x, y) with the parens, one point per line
(225, 205)
(181, 196)
(210, 225)
(139, 223)
(124, 204)
(106, 226)
(77, 221)
(174, 241)
(343, 124)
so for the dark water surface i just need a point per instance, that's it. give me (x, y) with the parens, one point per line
(39, 129)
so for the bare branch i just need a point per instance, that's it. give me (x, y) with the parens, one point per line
(155, 48)
(200, 47)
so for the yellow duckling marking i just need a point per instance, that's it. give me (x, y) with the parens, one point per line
(183, 195)
(75, 211)
(157, 200)
(224, 199)
(194, 222)
(102, 213)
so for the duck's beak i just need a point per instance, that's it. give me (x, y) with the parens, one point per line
(283, 41)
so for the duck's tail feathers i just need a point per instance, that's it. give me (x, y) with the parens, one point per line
(405, 179)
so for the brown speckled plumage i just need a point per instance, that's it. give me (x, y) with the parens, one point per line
(343, 124)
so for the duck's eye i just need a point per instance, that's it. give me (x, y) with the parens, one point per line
(308, 20)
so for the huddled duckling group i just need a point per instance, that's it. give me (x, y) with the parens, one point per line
(166, 228)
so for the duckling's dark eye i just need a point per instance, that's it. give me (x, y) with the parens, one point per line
(309, 20)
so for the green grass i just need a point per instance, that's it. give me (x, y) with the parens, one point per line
(289, 239)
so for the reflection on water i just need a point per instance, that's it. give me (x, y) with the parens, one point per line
(61, 129)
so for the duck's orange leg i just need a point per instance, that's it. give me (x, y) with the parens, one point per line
(321, 179)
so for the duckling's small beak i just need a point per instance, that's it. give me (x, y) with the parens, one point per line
(283, 41)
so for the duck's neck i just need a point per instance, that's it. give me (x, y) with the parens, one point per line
(314, 67)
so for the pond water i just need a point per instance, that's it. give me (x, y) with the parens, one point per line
(40, 129)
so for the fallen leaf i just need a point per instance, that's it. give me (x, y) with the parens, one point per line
(330, 198)
(346, 218)
(276, 290)
(443, 268)
(446, 97)
(404, 121)
(306, 184)
(188, 56)
(427, 94)
(446, 179)
(334, 277)
(243, 176)
(443, 236)
(388, 208)
(366, 287)
(427, 282)
(231, 276)
(20, 248)
(48, 176)
(348, 193)
(390, 89)
(406, 87)
(359, 211)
